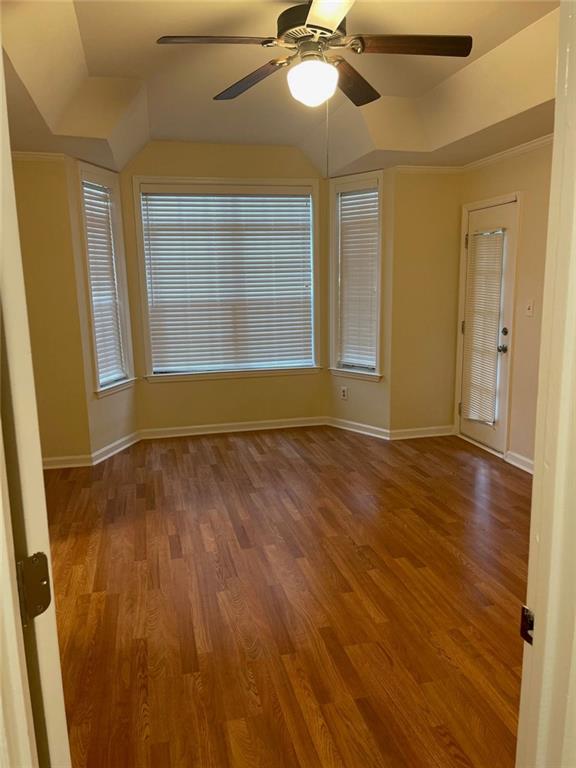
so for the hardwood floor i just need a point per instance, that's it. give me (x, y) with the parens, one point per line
(307, 597)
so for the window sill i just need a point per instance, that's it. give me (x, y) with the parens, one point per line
(113, 388)
(351, 374)
(161, 378)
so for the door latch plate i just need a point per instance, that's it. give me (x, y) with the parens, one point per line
(527, 625)
(33, 586)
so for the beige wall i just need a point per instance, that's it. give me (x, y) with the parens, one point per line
(422, 222)
(218, 400)
(421, 215)
(48, 261)
(425, 299)
(528, 174)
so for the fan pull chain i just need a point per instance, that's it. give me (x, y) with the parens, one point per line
(327, 138)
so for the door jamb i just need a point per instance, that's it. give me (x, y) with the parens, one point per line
(467, 209)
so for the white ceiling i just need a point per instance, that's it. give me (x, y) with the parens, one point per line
(118, 41)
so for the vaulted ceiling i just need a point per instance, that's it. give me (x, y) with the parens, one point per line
(87, 78)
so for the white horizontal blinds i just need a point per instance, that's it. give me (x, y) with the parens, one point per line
(110, 356)
(358, 238)
(482, 326)
(229, 280)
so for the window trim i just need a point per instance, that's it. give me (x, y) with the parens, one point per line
(110, 179)
(353, 183)
(200, 185)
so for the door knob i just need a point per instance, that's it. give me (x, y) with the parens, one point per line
(503, 348)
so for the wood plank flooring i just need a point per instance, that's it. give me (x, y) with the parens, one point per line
(303, 598)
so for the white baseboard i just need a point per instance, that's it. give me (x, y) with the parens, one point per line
(390, 434)
(522, 462)
(115, 447)
(107, 451)
(234, 426)
(355, 426)
(62, 462)
(516, 459)
(410, 434)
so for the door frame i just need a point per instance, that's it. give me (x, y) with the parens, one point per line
(547, 726)
(17, 738)
(40, 704)
(467, 209)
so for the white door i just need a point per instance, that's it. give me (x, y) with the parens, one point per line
(26, 532)
(486, 324)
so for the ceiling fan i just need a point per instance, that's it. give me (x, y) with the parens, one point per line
(315, 33)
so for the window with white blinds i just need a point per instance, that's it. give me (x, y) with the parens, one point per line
(105, 294)
(358, 295)
(229, 281)
(482, 326)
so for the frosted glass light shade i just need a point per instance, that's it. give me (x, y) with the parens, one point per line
(312, 82)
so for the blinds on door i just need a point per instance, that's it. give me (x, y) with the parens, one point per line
(229, 280)
(358, 253)
(102, 271)
(482, 326)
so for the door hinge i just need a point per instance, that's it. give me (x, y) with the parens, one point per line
(466, 240)
(527, 625)
(33, 586)
(462, 326)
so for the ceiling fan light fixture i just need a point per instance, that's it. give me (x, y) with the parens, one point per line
(312, 81)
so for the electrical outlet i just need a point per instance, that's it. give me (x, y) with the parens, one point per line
(343, 393)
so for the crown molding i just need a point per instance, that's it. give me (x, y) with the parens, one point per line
(423, 169)
(46, 157)
(520, 149)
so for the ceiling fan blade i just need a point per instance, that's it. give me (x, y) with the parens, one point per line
(417, 45)
(353, 85)
(327, 15)
(210, 39)
(252, 79)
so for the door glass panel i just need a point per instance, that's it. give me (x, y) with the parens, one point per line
(482, 326)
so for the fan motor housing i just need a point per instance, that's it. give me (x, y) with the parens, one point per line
(292, 25)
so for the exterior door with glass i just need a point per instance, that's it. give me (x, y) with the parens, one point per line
(486, 324)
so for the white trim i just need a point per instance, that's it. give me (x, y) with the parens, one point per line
(60, 462)
(177, 183)
(110, 179)
(355, 426)
(35, 156)
(410, 434)
(423, 169)
(522, 462)
(353, 373)
(87, 460)
(23, 467)
(163, 378)
(478, 444)
(467, 209)
(238, 426)
(118, 445)
(516, 459)
(65, 462)
(519, 149)
(353, 183)
(547, 723)
(390, 434)
(492, 202)
(116, 387)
